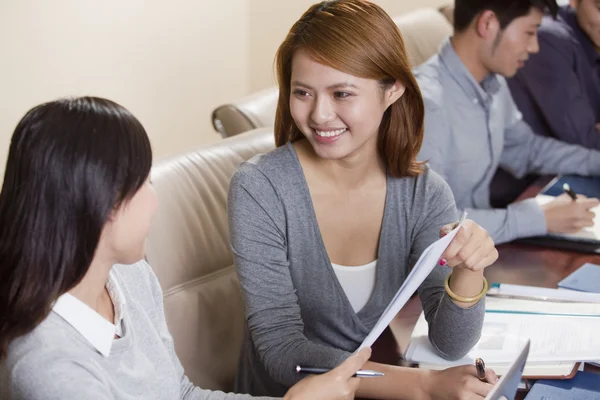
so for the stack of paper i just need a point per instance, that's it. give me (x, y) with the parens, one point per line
(561, 335)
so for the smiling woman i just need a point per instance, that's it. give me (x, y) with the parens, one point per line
(326, 227)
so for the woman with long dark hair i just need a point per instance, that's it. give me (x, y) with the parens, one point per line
(81, 317)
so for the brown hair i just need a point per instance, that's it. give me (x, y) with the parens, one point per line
(357, 37)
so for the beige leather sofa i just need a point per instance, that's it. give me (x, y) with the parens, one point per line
(188, 248)
(423, 31)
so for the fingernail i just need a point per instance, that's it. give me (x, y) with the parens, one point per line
(444, 234)
(443, 262)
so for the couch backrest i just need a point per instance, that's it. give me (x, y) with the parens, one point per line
(423, 31)
(188, 249)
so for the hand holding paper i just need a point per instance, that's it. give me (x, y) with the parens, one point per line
(426, 263)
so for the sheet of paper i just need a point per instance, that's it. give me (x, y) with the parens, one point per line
(547, 293)
(496, 304)
(423, 267)
(509, 383)
(553, 339)
(557, 369)
(591, 233)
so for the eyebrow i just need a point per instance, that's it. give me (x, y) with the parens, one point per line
(334, 86)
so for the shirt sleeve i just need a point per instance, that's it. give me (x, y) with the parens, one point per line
(257, 227)
(49, 377)
(453, 330)
(504, 225)
(188, 390)
(549, 79)
(525, 152)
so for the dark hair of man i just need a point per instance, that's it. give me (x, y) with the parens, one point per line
(465, 11)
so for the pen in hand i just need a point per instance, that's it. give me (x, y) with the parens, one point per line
(571, 193)
(480, 366)
(361, 373)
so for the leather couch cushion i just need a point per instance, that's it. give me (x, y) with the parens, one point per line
(188, 249)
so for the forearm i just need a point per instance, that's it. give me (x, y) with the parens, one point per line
(466, 283)
(518, 220)
(399, 383)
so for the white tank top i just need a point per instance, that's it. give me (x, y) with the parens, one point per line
(358, 282)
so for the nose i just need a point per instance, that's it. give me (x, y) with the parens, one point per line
(322, 111)
(534, 46)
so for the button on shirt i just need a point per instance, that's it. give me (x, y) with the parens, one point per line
(472, 128)
(558, 90)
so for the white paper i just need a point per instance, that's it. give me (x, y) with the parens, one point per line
(590, 233)
(496, 304)
(553, 339)
(546, 293)
(509, 383)
(423, 267)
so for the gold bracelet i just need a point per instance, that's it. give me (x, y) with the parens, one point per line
(462, 299)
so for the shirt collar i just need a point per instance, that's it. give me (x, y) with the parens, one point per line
(94, 328)
(459, 71)
(569, 16)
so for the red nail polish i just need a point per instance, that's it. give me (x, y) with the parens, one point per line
(443, 262)
(444, 234)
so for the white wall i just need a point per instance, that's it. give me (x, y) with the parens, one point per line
(170, 63)
(266, 32)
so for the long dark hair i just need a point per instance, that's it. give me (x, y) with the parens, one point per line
(70, 163)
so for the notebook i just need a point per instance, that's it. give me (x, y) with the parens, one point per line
(507, 386)
(584, 386)
(585, 279)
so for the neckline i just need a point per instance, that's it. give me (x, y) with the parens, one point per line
(323, 250)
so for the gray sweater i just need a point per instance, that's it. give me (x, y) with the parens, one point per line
(296, 310)
(55, 361)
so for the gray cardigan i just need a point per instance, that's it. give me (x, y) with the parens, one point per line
(296, 310)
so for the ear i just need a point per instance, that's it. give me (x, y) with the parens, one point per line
(487, 25)
(393, 93)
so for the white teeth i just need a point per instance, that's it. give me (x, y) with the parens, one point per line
(337, 132)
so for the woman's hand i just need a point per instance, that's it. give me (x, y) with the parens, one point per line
(472, 248)
(457, 383)
(337, 384)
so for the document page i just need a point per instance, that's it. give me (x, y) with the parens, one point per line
(423, 267)
(554, 338)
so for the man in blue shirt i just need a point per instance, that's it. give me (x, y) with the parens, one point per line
(472, 124)
(558, 90)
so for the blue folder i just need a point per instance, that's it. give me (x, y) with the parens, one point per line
(586, 185)
(585, 279)
(584, 386)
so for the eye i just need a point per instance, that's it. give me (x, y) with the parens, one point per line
(342, 95)
(300, 93)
